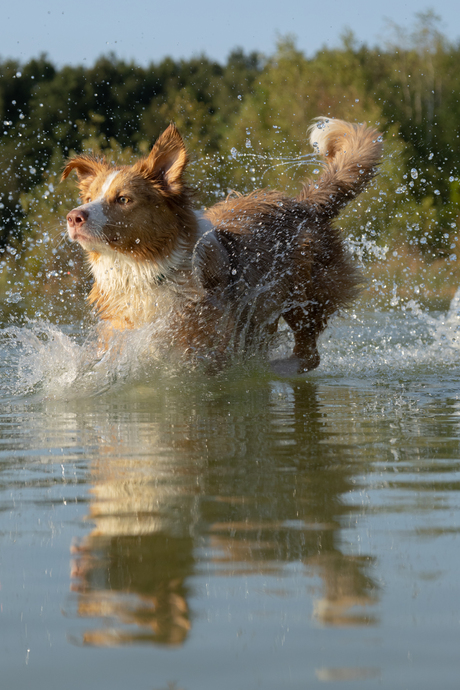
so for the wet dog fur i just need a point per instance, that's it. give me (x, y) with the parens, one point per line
(222, 278)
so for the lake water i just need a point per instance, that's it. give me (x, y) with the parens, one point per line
(161, 529)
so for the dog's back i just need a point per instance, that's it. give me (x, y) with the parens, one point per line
(284, 256)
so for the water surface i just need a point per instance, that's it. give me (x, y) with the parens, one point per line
(164, 529)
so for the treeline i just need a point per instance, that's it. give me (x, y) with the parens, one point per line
(245, 123)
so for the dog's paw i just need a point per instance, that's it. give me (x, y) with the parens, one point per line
(292, 366)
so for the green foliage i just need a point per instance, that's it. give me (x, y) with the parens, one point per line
(245, 123)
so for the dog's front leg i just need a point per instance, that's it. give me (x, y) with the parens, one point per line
(306, 329)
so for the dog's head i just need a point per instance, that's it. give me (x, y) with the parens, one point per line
(138, 210)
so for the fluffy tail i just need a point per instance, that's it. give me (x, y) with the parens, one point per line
(351, 153)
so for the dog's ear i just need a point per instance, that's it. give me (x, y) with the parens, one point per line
(166, 161)
(86, 168)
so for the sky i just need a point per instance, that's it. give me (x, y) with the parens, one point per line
(148, 30)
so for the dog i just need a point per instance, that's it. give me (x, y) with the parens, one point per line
(221, 279)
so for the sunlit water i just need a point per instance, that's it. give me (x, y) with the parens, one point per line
(161, 528)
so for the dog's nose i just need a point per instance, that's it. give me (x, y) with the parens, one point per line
(77, 217)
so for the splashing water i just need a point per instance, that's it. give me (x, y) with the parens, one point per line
(42, 359)
(39, 358)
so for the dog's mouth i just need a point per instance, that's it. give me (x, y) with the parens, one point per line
(85, 237)
(77, 234)
(90, 241)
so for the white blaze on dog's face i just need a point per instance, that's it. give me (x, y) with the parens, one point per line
(86, 224)
(136, 210)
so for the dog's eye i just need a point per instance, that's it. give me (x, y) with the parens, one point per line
(123, 200)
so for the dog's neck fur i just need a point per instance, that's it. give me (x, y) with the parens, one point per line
(132, 292)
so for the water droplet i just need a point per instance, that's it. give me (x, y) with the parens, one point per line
(414, 173)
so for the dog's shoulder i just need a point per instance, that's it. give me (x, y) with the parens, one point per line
(210, 260)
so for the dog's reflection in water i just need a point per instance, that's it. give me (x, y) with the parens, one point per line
(131, 570)
(202, 486)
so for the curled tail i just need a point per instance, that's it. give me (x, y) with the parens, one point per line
(352, 153)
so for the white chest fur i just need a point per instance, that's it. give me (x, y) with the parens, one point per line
(141, 291)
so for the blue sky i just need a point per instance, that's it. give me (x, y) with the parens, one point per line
(149, 30)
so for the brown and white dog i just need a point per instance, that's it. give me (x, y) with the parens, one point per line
(222, 279)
